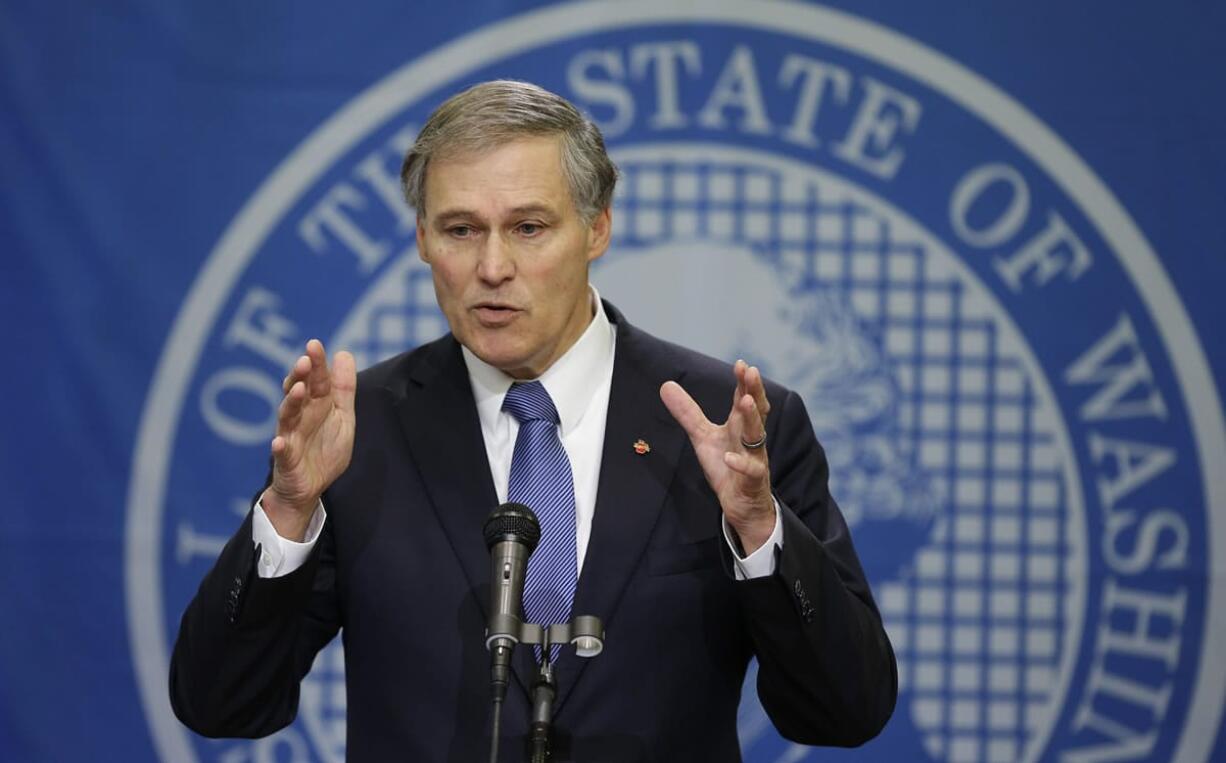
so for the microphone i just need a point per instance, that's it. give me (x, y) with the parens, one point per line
(511, 534)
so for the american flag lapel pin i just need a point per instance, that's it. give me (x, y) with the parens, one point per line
(641, 447)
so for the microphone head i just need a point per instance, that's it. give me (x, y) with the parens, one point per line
(512, 522)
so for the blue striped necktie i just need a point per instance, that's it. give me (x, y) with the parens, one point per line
(541, 479)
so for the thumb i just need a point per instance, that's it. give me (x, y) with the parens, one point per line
(344, 380)
(683, 408)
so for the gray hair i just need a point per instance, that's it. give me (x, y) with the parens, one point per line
(491, 114)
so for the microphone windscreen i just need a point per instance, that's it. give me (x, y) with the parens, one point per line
(513, 522)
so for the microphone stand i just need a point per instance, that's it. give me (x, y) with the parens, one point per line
(585, 632)
(544, 690)
(501, 657)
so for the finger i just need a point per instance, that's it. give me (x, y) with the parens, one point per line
(746, 421)
(288, 416)
(290, 410)
(754, 469)
(683, 408)
(749, 381)
(318, 382)
(344, 380)
(300, 369)
(739, 368)
(282, 453)
(754, 385)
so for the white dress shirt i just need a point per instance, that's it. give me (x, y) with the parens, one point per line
(579, 383)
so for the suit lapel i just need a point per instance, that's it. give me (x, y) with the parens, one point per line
(439, 419)
(631, 490)
(440, 422)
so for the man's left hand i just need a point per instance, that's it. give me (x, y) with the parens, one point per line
(737, 471)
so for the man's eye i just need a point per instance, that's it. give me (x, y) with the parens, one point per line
(530, 229)
(460, 231)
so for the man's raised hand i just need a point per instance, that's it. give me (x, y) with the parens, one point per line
(314, 441)
(733, 454)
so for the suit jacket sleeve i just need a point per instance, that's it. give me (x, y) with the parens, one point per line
(826, 673)
(245, 642)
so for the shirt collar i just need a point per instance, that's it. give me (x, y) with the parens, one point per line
(569, 381)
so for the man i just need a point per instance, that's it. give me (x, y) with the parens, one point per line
(696, 550)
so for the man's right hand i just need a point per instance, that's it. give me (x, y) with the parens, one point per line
(314, 441)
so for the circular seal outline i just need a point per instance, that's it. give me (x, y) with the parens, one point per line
(371, 108)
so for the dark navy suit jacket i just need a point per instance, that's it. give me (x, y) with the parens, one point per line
(401, 570)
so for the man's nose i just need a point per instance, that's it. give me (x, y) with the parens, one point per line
(496, 262)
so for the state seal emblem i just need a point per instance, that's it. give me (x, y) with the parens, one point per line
(1002, 375)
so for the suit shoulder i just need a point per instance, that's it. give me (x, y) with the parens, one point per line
(394, 372)
(692, 361)
(701, 372)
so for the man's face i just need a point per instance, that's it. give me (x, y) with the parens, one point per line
(509, 253)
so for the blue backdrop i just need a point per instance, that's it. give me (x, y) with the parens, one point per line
(993, 234)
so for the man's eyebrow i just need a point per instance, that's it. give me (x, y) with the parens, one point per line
(456, 215)
(533, 209)
(447, 215)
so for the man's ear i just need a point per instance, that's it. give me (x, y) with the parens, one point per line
(599, 233)
(421, 240)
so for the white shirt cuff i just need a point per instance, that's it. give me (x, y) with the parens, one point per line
(760, 563)
(281, 556)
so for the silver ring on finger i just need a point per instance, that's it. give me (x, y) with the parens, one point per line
(754, 445)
